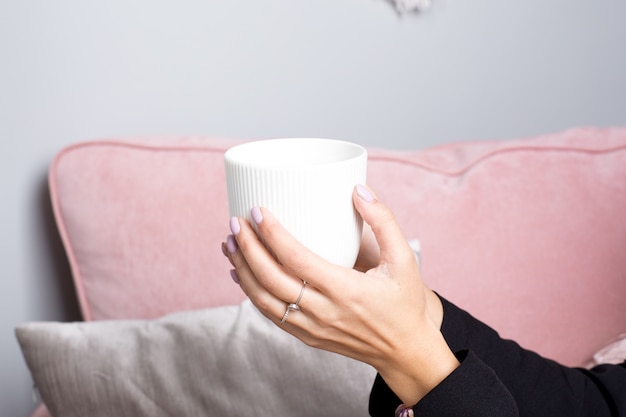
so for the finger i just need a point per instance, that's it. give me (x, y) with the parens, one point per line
(394, 248)
(224, 249)
(267, 303)
(268, 284)
(229, 247)
(296, 257)
(296, 322)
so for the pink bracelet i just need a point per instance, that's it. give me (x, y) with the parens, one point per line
(404, 411)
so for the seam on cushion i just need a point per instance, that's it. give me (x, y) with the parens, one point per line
(161, 146)
(58, 212)
(495, 153)
(61, 227)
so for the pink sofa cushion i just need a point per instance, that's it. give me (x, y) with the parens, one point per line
(528, 235)
(142, 223)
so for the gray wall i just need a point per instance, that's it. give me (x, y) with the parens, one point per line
(73, 70)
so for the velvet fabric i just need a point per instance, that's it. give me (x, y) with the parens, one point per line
(213, 362)
(142, 223)
(526, 234)
(504, 227)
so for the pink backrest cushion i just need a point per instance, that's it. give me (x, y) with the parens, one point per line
(529, 235)
(142, 222)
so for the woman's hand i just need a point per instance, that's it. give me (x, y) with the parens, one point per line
(379, 313)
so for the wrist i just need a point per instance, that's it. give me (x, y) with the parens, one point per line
(434, 306)
(420, 366)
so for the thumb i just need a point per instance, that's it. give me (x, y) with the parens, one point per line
(394, 248)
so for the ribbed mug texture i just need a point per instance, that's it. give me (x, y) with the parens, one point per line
(307, 184)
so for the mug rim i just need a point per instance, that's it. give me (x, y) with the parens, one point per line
(244, 154)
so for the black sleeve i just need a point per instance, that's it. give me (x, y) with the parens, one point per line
(538, 386)
(472, 390)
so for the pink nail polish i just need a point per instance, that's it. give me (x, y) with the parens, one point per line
(231, 244)
(256, 214)
(364, 193)
(235, 227)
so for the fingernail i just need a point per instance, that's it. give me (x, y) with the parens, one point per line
(256, 215)
(231, 244)
(234, 225)
(234, 276)
(364, 193)
(224, 249)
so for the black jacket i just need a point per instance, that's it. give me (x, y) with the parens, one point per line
(499, 378)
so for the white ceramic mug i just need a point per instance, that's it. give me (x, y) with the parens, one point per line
(307, 184)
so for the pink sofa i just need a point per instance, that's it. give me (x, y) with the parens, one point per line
(528, 235)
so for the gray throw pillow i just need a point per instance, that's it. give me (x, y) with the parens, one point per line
(213, 362)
